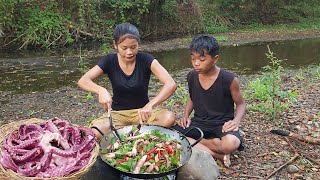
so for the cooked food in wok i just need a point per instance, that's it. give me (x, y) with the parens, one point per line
(148, 152)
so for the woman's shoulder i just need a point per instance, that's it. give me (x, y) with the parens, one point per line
(145, 56)
(106, 61)
(109, 56)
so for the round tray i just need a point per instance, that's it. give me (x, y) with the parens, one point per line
(8, 174)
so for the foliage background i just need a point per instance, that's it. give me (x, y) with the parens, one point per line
(58, 23)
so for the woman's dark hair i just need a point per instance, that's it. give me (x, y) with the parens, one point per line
(125, 30)
(202, 43)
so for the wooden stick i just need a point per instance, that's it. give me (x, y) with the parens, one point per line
(279, 168)
(292, 147)
(311, 159)
(301, 153)
(249, 176)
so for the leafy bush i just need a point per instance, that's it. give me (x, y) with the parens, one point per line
(266, 94)
(180, 96)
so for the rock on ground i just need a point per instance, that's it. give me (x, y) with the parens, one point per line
(201, 166)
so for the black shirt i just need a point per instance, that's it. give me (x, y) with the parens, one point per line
(129, 92)
(215, 105)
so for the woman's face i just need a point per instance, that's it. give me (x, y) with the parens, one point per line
(128, 49)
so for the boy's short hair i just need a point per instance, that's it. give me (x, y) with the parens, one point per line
(125, 30)
(204, 43)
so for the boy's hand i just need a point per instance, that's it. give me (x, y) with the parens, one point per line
(185, 122)
(230, 126)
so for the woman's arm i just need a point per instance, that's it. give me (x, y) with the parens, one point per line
(169, 85)
(86, 83)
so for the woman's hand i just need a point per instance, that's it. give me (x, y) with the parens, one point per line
(185, 122)
(105, 99)
(144, 113)
(230, 126)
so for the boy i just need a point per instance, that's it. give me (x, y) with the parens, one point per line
(212, 95)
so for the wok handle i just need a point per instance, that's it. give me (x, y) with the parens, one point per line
(199, 139)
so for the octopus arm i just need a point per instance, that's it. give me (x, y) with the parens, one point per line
(46, 160)
(7, 161)
(63, 153)
(25, 144)
(27, 156)
(52, 127)
(29, 169)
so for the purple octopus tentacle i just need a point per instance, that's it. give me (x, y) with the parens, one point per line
(62, 126)
(63, 153)
(17, 151)
(72, 169)
(67, 134)
(26, 144)
(80, 161)
(84, 159)
(33, 150)
(45, 160)
(29, 169)
(88, 141)
(51, 126)
(27, 156)
(24, 130)
(7, 162)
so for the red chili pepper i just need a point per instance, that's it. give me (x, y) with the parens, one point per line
(151, 151)
(149, 158)
(159, 154)
(121, 160)
(140, 149)
(169, 150)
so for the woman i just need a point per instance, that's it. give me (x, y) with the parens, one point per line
(129, 71)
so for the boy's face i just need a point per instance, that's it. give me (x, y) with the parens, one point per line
(203, 64)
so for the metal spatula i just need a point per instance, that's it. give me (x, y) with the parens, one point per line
(114, 130)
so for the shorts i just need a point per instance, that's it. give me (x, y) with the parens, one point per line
(127, 117)
(214, 132)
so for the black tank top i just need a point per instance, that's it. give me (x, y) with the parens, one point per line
(129, 92)
(214, 106)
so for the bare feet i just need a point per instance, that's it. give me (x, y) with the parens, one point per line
(226, 160)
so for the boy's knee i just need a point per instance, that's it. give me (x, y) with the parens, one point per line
(230, 145)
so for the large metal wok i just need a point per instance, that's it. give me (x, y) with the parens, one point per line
(173, 134)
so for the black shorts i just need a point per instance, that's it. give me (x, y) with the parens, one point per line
(215, 132)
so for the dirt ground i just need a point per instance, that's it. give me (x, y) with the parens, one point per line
(264, 152)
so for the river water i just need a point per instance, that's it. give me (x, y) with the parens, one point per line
(31, 72)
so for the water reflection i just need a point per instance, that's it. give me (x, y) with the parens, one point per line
(31, 73)
(250, 58)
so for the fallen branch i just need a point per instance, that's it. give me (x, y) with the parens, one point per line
(307, 139)
(292, 147)
(279, 168)
(310, 159)
(249, 176)
(301, 153)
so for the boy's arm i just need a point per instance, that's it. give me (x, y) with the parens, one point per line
(238, 100)
(233, 125)
(185, 121)
(188, 109)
